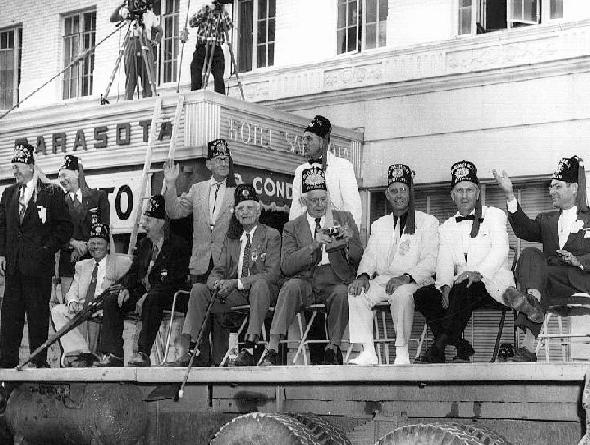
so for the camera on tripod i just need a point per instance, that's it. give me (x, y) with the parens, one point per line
(138, 7)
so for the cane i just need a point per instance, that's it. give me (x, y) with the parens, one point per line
(196, 351)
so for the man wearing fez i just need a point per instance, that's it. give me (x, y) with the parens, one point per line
(563, 267)
(320, 253)
(85, 207)
(247, 273)
(402, 253)
(471, 266)
(92, 277)
(340, 180)
(34, 224)
(158, 270)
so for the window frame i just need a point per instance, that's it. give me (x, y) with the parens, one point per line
(174, 38)
(235, 38)
(79, 66)
(361, 26)
(17, 48)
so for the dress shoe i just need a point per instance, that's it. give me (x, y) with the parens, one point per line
(333, 356)
(432, 355)
(402, 356)
(37, 365)
(184, 360)
(109, 361)
(523, 355)
(244, 358)
(271, 358)
(525, 303)
(141, 359)
(365, 358)
(82, 360)
(464, 351)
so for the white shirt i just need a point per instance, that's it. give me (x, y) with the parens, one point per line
(311, 222)
(243, 242)
(28, 190)
(100, 275)
(77, 195)
(215, 204)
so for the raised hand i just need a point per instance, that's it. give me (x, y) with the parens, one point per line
(171, 171)
(505, 183)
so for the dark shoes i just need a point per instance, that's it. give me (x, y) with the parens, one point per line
(464, 351)
(525, 303)
(82, 360)
(333, 356)
(523, 355)
(271, 358)
(244, 358)
(185, 359)
(432, 355)
(109, 361)
(141, 359)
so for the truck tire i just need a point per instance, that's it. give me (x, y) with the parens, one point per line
(428, 434)
(263, 429)
(485, 435)
(323, 431)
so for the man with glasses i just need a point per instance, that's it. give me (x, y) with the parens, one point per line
(551, 276)
(401, 255)
(211, 203)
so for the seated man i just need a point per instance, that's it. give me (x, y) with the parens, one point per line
(159, 269)
(248, 273)
(563, 268)
(320, 253)
(404, 259)
(92, 276)
(471, 266)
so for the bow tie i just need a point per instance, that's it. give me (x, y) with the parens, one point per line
(315, 161)
(467, 218)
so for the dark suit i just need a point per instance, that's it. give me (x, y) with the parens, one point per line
(310, 282)
(167, 275)
(260, 287)
(544, 271)
(81, 219)
(29, 248)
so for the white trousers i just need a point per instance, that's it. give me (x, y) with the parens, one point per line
(360, 316)
(84, 338)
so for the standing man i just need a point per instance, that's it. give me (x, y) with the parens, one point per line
(34, 224)
(402, 253)
(84, 204)
(563, 267)
(471, 266)
(93, 276)
(212, 23)
(248, 273)
(340, 179)
(320, 253)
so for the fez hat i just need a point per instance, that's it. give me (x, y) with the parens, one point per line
(23, 153)
(313, 178)
(71, 162)
(245, 192)
(99, 231)
(217, 147)
(572, 171)
(319, 125)
(156, 207)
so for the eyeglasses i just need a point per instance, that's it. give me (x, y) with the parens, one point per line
(317, 201)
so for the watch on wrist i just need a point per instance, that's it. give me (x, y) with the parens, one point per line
(410, 277)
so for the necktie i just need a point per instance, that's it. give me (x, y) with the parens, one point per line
(315, 161)
(246, 261)
(155, 252)
(318, 226)
(467, 218)
(91, 287)
(318, 251)
(217, 185)
(75, 201)
(22, 205)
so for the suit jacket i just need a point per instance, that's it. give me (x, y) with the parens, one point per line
(342, 186)
(265, 251)
(30, 247)
(91, 199)
(207, 242)
(170, 268)
(543, 229)
(299, 260)
(487, 253)
(116, 267)
(392, 256)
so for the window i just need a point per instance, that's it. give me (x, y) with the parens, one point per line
(168, 55)
(523, 12)
(10, 65)
(362, 24)
(256, 34)
(79, 36)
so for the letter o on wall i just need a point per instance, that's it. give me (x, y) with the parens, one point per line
(124, 189)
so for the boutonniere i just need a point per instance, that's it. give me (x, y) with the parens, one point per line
(42, 211)
(404, 247)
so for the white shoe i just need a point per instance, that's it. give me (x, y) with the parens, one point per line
(365, 358)
(402, 356)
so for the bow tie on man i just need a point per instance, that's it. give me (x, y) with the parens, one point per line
(460, 218)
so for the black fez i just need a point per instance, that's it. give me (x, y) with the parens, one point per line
(71, 162)
(99, 231)
(463, 171)
(567, 170)
(399, 173)
(320, 125)
(313, 178)
(217, 147)
(23, 153)
(156, 207)
(245, 192)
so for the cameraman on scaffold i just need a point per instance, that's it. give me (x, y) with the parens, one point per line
(212, 23)
(145, 18)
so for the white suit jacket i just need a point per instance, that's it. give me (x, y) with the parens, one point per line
(341, 184)
(487, 253)
(207, 241)
(391, 256)
(116, 267)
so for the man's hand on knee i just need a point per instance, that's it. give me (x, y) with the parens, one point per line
(396, 282)
(360, 285)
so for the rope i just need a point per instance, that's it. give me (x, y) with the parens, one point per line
(72, 63)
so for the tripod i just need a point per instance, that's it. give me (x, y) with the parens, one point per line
(146, 56)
